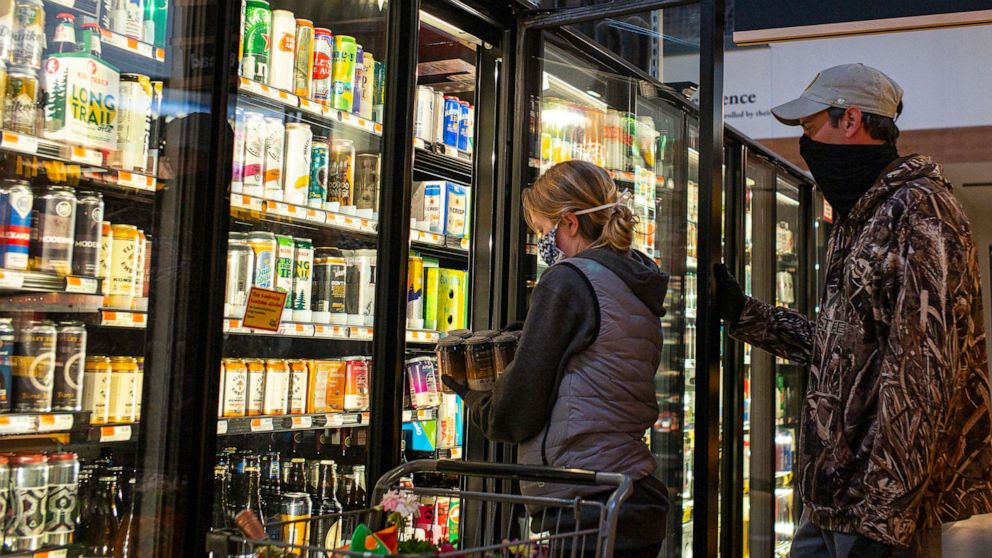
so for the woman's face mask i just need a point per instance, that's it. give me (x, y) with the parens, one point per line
(547, 247)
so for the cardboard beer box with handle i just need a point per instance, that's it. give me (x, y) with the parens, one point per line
(81, 100)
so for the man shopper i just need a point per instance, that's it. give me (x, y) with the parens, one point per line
(896, 431)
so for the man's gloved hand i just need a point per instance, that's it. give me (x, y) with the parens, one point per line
(460, 389)
(730, 296)
(869, 548)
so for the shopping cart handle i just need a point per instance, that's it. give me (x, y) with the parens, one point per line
(533, 473)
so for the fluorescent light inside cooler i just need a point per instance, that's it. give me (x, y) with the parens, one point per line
(786, 199)
(571, 92)
(449, 29)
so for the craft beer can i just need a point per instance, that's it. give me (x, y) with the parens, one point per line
(276, 387)
(28, 40)
(124, 261)
(340, 175)
(20, 103)
(285, 258)
(234, 387)
(337, 379)
(255, 403)
(253, 167)
(70, 363)
(302, 280)
(263, 246)
(281, 63)
(257, 30)
(299, 378)
(133, 121)
(123, 379)
(378, 91)
(86, 242)
(465, 125)
(96, 389)
(238, 162)
(16, 205)
(415, 293)
(368, 85)
(357, 80)
(29, 501)
(323, 53)
(240, 267)
(275, 141)
(303, 58)
(53, 223)
(356, 390)
(423, 119)
(452, 121)
(437, 128)
(139, 268)
(330, 271)
(6, 369)
(317, 386)
(294, 514)
(63, 488)
(106, 255)
(319, 152)
(34, 367)
(343, 72)
(296, 176)
(367, 182)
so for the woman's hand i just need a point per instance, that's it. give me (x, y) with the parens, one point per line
(460, 389)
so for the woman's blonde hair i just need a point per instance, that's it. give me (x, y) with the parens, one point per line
(576, 185)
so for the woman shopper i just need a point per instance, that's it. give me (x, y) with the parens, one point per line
(580, 392)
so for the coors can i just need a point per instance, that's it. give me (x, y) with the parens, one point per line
(86, 244)
(34, 368)
(70, 362)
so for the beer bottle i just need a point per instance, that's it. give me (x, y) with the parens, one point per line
(271, 484)
(91, 40)
(105, 518)
(126, 542)
(221, 517)
(64, 39)
(359, 487)
(296, 479)
(253, 493)
(325, 528)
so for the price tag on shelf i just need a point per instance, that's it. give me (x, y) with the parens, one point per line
(316, 215)
(55, 423)
(262, 424)
(160, 54)
(81, 285)
(221, 427)
(115, 433)
(377, 129)
(11, 279)
(346, 117)
(79, 154)
(334, 420)
(114, 318)
(365, 418)
(464, 244)
(321, 330)
(360, 333)
(296, 329)
(303, 422)
(407, 416)
(456, 453)
(419, 143)
(21, 143)
(18, 424)
(425, 414)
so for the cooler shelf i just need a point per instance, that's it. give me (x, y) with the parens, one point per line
(322, 114)
(442, 161)
(299, 330)
(233, 426)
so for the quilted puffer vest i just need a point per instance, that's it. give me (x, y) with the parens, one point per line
(606, 400)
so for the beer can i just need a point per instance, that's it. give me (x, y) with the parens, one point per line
(6, 35)
(360, 287)
(135, 19)
(415, 293)
(323, 51)
(368, 85)
(294, 513)
(238, 158)
(303, 59)
(319, 152)
(34, 367)
(357, 80)
(255, 403)
(29, 501)
(257, 29)
(423, 116)
(367, 182)
(122, 383)
(302, 280)
(422, 381)
(276, 387)
(275, 140)
(465, 127)
(340, 175)
(356, 387)
(4, 492)
(437, 130)
(155, 126)
(337, 379)
(133, 121)
(28, 40)
(6, 367)
(285, 258)
(124, 260)
(296, 176)
(330, 271)
(20, 102)
(106, 255)
(139, 267)
(139, 384)
(70, 361)
(253, 164)
(452, 121)
(299, 379)
(63, 489)
(53, 223)
(317, 386)
(234, 387)
(281, 64)
(240, 267)
(86, 241)
(379, 91)
(96, 389)
(16, 202)
(263, 245)
(343, 72)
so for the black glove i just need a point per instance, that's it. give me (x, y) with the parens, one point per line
(460, 389)
(868, 548)
(730, 296)
(515, 326)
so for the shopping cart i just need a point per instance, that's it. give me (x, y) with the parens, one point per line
(493, 522)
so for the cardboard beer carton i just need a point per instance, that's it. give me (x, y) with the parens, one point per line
(81, 100)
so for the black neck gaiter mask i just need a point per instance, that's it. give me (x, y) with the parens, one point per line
(845, 172)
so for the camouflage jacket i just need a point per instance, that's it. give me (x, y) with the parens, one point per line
(896, 429)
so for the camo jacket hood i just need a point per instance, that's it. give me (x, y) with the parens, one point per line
(896, 432)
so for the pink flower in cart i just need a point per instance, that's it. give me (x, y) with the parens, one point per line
(403, 504)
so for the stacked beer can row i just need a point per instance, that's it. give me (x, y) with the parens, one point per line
(444, 119)
(256, 387)
(311, 62)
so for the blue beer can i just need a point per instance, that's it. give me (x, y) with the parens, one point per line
(15, 225)
(318, 173)
(452, 121)
(465, 126)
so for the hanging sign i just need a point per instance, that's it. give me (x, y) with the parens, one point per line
(264, 309)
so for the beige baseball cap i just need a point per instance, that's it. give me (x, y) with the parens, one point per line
(847, 85)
